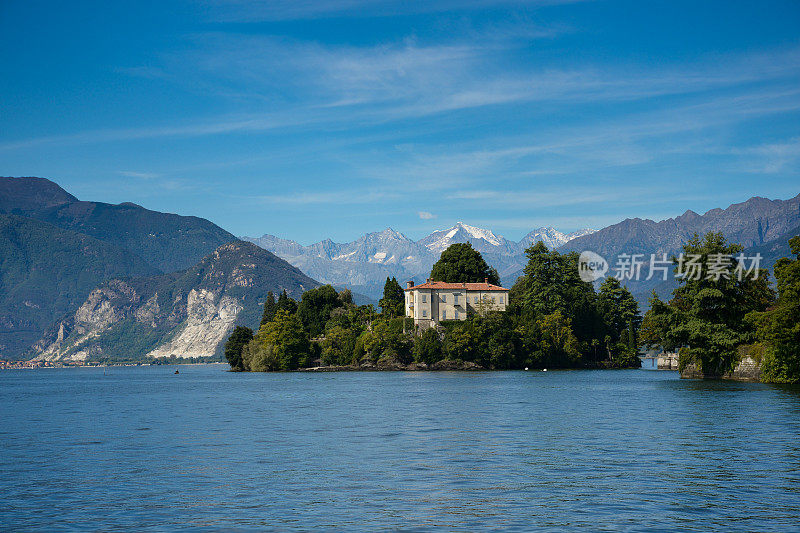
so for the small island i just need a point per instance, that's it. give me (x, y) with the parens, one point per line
(459, 319)
(726, 321)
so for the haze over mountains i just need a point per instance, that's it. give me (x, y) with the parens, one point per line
(365, 263)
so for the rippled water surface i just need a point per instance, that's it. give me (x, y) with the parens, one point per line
(143, 448)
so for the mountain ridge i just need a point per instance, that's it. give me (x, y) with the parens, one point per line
(167, 241)
(184, 314)
(45, 271)
(365, 263)
(752, 222)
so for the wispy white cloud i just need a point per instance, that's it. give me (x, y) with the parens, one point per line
(772, 158)
(295, 84)
(425, 215)
(140, 175)
(349, 197)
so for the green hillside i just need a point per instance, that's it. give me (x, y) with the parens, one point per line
(226, 288)
(46, 271)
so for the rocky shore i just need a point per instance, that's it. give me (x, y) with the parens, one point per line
(392, 365)
(747, 369)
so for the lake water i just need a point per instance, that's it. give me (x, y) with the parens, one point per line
(145, 449)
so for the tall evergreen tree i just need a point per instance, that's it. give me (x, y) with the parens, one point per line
(286, 304)
(270, 306)
(393, 301)
(233, 346)
(550, 283)
(620, 311)
(461, 263)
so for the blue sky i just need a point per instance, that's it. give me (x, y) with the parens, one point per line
(310, 120)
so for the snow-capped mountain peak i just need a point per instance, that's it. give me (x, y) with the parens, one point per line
(551, 237)
(480, 233)
(369, 260)
(439, 240)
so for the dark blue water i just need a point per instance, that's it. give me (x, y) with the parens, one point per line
(142, 448)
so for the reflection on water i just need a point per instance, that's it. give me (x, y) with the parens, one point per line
(142, 448)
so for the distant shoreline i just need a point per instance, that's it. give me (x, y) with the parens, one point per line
(31, 365)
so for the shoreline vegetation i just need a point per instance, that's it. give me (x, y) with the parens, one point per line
(730, 326)
(554, 320)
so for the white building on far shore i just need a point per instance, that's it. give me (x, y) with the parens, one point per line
(433, 301)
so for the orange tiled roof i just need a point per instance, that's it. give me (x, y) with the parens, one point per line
(464, 286)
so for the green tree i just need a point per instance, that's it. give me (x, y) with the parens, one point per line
(315, 308)
(499, 342)
(705, 317)
(338, 347)
(260, 358)
(551, 282)
(284, 339)
(461, 263)
(286, 303)
(461, 341)
(558, 344)
(270, 306)
(621, 316)
(346, 297)
(393, 301)
(389, 340)
(233, 346)
(779, 327)
(428, 347)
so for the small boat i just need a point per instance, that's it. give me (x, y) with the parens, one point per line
(176, 371)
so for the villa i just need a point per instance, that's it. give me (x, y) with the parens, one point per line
(434, 301)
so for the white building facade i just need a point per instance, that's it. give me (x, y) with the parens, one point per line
(435, 301)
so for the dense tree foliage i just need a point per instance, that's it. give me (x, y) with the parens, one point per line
(393, 301)
(554, 320)
(778, 328)
(270, 307)
(234, 345)
(620, 313)
(285, 303)
(460, 263)
(705, 319)
(315, 308)
(281, 344)
(428, 347)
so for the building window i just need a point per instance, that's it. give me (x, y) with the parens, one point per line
(424, 313)
(456, 314)
(424, 298)
(501, 299)
(444, 297)
(444, 315)
(476, 299)
(455, 299)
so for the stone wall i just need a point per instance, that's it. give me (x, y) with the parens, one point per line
(667, 361)
(748, 369)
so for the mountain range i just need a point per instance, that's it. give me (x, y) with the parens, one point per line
(365, 263)
(90, 280)
(59, 254)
